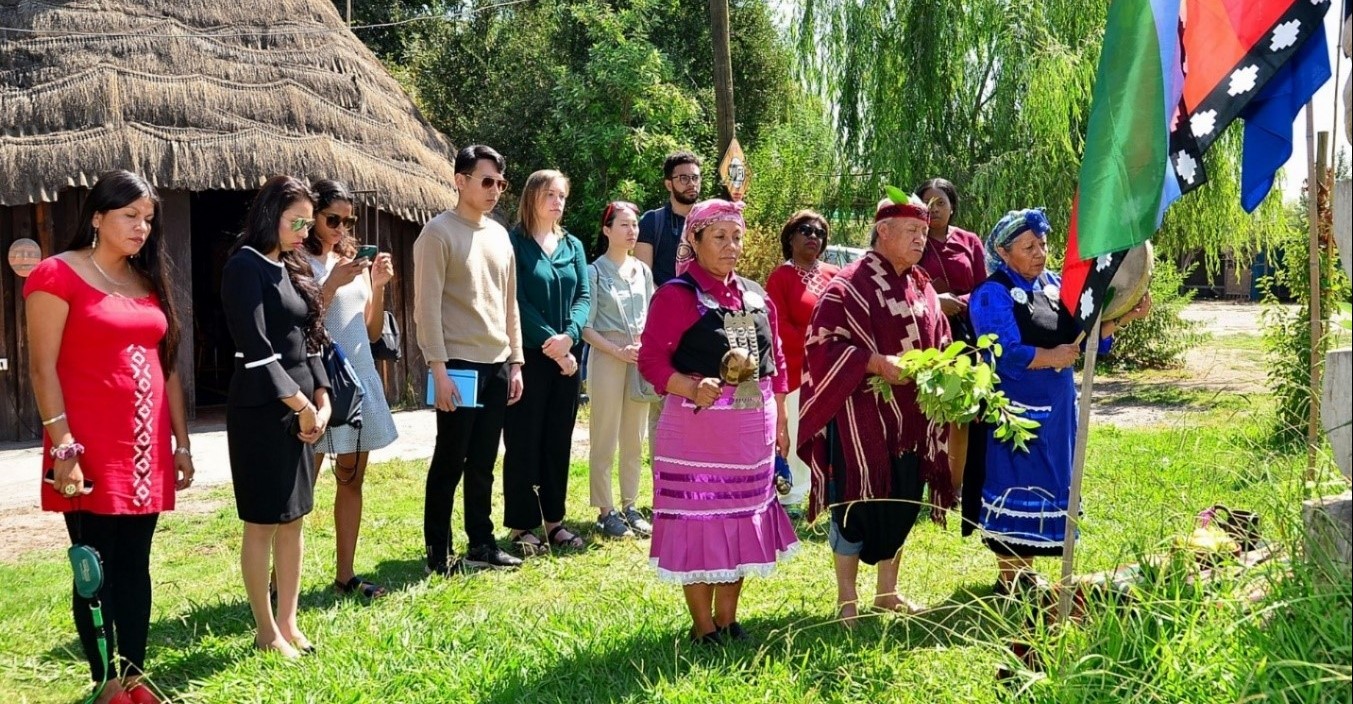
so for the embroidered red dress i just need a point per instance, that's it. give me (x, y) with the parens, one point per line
(794, 292)
(113, 386)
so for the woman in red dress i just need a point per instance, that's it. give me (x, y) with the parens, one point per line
(794, 288)
(103, 334)
(955, 259)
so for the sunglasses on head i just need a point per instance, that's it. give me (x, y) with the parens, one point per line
(811, 230)
(302, 224)
(335, 221)
(614, 206)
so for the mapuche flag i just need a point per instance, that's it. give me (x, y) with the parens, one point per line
(1173, 74)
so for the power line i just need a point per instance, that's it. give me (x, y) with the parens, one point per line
(271, 32)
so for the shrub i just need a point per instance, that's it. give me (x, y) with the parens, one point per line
(1159, 340)
(1287, 331)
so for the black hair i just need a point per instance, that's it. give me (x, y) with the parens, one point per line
(945, 187)
(119, 189)
(792, 226)
(260, 233)
(468, 157)
(676, 159)
(608, 214)
(327, 192)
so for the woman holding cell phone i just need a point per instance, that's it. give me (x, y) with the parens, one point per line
(353, 281)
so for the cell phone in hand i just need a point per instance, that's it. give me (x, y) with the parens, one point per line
(367, 252)
(50, 478)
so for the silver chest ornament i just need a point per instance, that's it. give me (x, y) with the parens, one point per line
(741, 364)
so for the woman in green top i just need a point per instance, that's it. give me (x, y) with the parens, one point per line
(554, 301)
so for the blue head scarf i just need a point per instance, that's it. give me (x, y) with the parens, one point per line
(1014, 224)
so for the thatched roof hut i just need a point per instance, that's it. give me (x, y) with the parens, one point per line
(207, 99)
(199, 95)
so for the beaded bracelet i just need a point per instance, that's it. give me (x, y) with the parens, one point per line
(68, 451)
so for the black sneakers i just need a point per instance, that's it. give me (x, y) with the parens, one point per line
(490, 557)
(450, 568)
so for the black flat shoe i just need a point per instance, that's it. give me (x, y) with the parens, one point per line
(713, 638)
(734, 631)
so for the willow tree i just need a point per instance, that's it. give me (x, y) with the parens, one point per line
(994, 95)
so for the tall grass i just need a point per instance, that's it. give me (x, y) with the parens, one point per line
(595, 626)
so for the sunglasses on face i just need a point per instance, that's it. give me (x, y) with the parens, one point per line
(489, 182)
(686, 179)
(302, 224)
(812, 231)
(335, 221)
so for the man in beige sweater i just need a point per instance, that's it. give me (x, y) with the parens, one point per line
(465, 310)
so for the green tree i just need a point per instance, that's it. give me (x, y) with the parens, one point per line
(994, 95)
(600, 89)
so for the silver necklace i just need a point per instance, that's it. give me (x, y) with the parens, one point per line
(811, 277)
(104, 274)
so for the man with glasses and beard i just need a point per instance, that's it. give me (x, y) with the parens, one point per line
(660, 229)
(660, 234)
(465, 307)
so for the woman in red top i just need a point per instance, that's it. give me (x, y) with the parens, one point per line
(103, 334)
(794, 288)
(955, 259)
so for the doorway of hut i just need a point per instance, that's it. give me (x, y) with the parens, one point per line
(217, 218)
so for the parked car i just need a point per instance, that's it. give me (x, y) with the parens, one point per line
(841, 255)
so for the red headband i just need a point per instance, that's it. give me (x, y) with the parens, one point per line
(902, 210)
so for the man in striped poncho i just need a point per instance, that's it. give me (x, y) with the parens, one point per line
(871, 458)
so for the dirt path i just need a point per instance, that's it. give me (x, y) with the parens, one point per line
(1228, 361)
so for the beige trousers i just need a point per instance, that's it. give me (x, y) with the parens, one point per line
(798, 469)
(617, 423)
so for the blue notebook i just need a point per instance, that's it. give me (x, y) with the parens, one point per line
(467, 383)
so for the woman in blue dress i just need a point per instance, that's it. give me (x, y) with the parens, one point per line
(1025, 495)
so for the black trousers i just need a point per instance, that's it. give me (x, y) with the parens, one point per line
(538, 436)
(123, 544)
(882, 526)
(467, 446)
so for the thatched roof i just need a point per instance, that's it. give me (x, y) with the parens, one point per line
(206, 94)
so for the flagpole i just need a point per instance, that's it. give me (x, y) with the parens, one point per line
(1077, 473)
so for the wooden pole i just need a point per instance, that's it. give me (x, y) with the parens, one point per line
(1077, 475)
(349, 13)
(1315, 167)
(723, 74)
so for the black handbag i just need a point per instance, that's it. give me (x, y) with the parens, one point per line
(345, 389)
(387, 346)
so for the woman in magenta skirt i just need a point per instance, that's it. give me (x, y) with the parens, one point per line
(716, 519)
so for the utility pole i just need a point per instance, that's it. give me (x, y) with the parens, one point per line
(723, 73)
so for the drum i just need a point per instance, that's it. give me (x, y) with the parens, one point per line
(1131, 281)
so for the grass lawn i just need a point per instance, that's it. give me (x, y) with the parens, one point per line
(596, 626)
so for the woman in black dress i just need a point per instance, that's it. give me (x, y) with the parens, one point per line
(278, 403)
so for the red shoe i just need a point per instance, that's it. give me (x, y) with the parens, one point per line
(141, 694)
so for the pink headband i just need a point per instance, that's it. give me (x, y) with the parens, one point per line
(708, 212)
(702, 215)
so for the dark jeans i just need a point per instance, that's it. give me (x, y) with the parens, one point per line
(123, 544)
(467, 446)
(537, 436)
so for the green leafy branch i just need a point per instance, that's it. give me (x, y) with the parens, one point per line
(954, 386)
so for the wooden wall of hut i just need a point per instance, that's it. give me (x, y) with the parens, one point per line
(49, 224)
